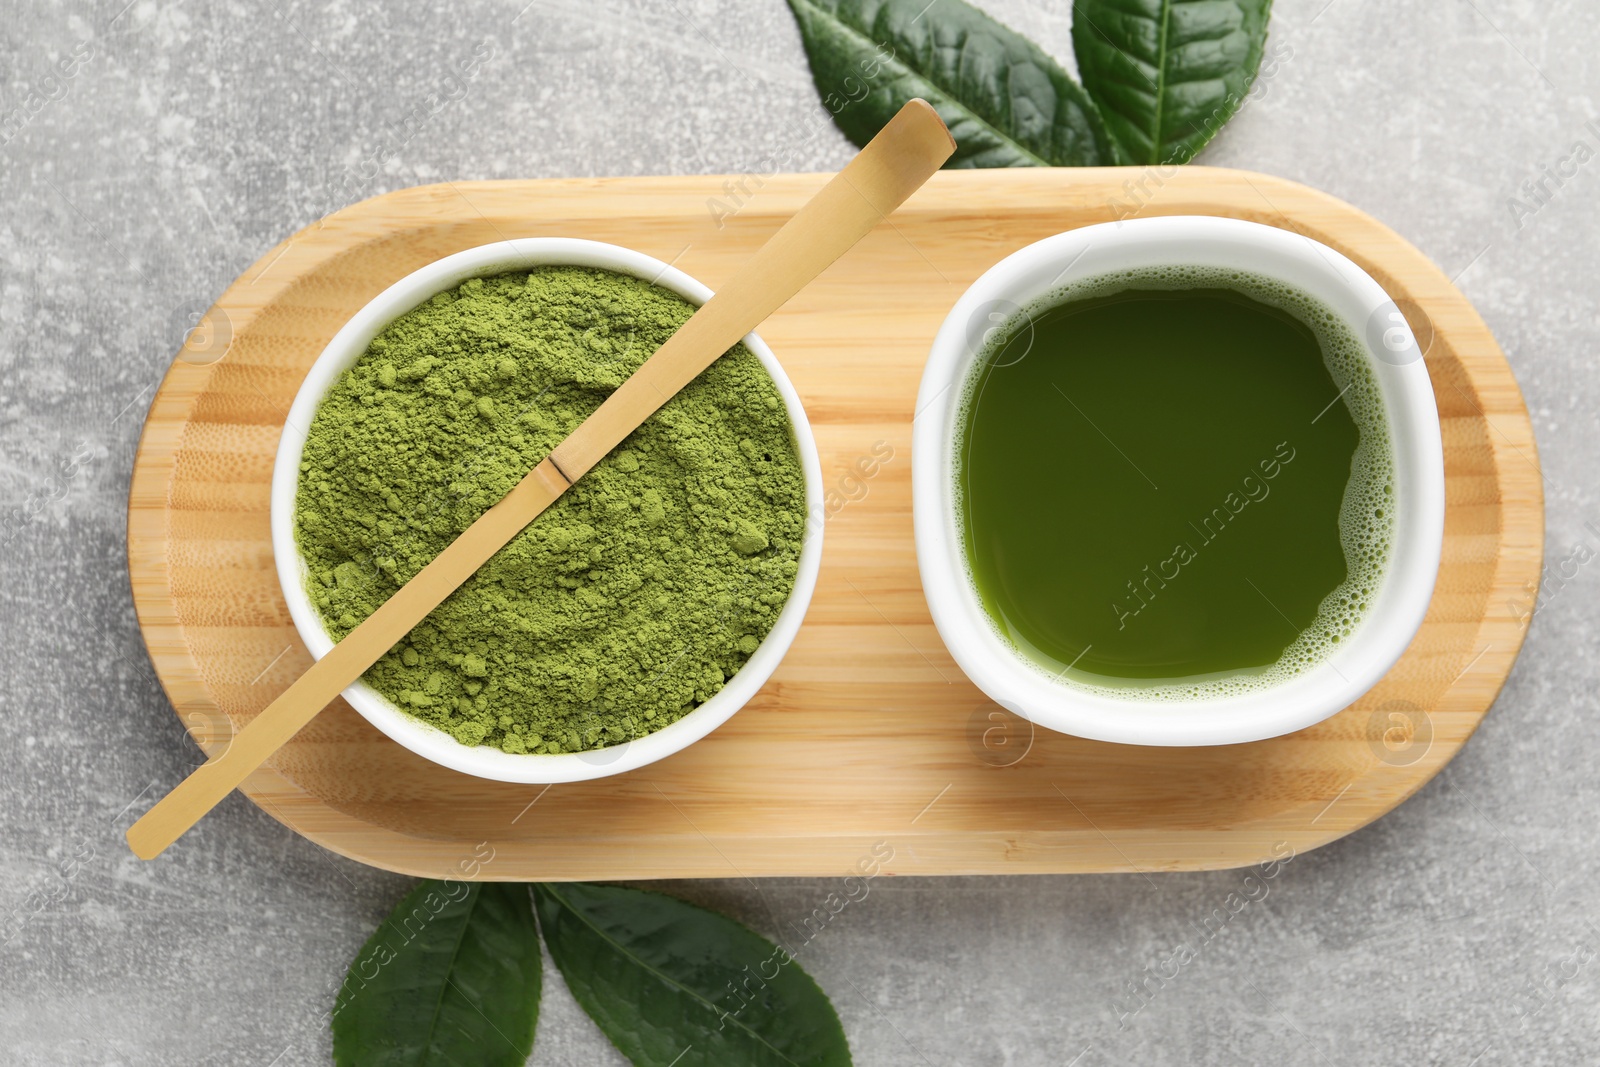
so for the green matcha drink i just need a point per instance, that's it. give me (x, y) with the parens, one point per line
(635, 596)
(1179, 482)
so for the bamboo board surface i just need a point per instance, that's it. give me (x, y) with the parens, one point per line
(868, 733)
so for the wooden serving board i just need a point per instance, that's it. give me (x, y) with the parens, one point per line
(868, 739)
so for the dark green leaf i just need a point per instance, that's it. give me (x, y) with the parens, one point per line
(1167, 73)
(1007, 102)
(671, 983)
(451, 977)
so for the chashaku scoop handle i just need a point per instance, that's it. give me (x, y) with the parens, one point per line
(314, 690)
(892, 166)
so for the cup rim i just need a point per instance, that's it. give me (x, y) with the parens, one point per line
(423, 738)
(1398, 608)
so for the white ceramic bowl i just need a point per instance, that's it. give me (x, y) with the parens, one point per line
(429, 741)
(1301, 700)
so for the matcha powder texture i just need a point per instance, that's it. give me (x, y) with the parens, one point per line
(634, 597)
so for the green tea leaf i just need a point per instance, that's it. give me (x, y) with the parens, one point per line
(1167, 73)
(673, 984)
(451, 977)
(1007, 103)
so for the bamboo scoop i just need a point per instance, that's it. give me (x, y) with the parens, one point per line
(894, 164)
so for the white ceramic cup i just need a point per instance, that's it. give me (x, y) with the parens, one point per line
(423, 738)
(1308, 697)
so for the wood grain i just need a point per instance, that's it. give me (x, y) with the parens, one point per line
(903, 155)
(868, 732)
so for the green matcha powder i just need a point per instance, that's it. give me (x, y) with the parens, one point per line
(626, 604)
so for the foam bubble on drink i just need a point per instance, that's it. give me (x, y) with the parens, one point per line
(1366, 516)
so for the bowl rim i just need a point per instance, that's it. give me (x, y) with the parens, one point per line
(426, 740)
(1179, 240)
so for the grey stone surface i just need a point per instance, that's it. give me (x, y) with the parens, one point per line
(196, 135)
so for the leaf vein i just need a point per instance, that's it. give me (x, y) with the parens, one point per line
(945, 93)
(455, 953)
(665, 978)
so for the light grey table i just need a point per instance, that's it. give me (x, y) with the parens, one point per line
(193, 136)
